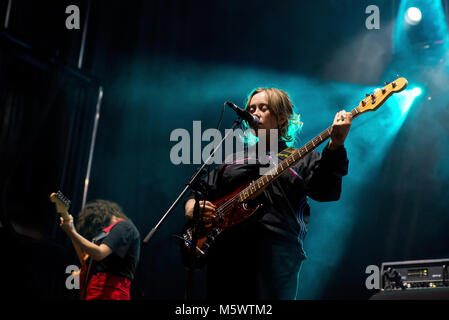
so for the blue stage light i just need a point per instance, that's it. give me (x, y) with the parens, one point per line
(413, 16)
(404, 99)
(416, 91)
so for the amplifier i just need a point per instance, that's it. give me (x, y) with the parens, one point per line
(415, 274)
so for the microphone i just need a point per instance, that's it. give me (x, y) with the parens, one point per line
(245, 115)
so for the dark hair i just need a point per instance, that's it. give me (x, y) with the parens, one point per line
(96, 216)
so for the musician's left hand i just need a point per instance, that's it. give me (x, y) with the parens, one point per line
(340, 129)
(67, 225)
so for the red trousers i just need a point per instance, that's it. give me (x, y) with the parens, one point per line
(103, 286)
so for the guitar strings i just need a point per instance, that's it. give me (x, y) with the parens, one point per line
(228, 205)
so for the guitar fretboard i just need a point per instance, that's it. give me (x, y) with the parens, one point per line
(260, 184)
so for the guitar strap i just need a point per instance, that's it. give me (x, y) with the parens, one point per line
(104, 233)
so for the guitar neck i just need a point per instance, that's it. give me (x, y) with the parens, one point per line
(255, 188)
(79, 252)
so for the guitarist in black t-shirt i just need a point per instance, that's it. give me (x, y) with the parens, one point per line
(114, 250)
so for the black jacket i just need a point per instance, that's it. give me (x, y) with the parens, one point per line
(285, 210)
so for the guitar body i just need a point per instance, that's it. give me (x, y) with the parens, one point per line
(83, 281)
(229, 213)
(85, 273)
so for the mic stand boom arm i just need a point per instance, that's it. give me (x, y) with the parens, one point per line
(191, 185)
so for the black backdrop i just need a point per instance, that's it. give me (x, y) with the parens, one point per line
(128, 51)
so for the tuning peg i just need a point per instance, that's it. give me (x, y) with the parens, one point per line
(363, 103)
(367, 95)
(383, 91)
(393, 84)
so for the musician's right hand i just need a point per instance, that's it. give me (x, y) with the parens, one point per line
(208, 213)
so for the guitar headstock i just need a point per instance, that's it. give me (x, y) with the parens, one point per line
(374, 101)
(61, 202)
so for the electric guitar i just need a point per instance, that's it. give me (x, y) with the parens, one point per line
(234, 208)
(62, 207)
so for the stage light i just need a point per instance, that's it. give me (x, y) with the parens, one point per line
(416, 91)
(405, 99)
(413, 16)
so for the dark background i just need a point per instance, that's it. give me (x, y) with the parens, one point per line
(163, 64)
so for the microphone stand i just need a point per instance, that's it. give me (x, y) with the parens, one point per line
(194, 185)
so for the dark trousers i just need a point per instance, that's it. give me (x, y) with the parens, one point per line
(256, 266)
